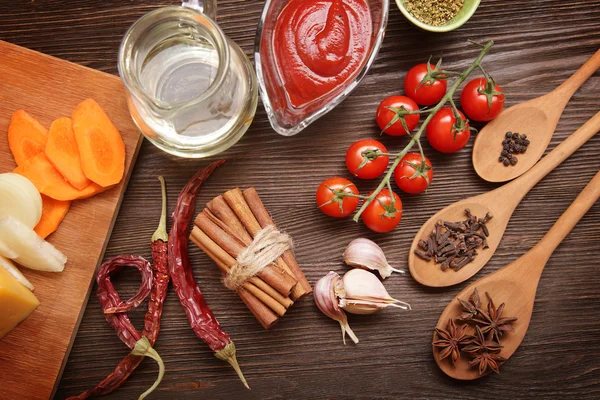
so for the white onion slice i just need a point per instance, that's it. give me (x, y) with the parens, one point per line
(14, 271)
(20, 199)
(32, 251)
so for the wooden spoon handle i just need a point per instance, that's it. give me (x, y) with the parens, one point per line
(569, 218)
(521, 186)
(570, 86)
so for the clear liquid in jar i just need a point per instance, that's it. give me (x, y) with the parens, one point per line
(181, 69)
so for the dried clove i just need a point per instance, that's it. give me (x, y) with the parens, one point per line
(455, 244)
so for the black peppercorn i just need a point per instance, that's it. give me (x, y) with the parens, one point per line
(514, 143)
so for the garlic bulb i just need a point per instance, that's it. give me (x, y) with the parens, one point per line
(326, 293)
(363, 293)
(366, 254)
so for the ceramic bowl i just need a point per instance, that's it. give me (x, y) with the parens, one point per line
(459, 19)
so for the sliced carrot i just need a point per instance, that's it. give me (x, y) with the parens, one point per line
(53, 212)
(100, 144)
(63, 153)
(39, 170)
(26, 136)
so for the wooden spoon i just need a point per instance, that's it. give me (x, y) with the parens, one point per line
(537, 118)
(516, 284)
(501, 203)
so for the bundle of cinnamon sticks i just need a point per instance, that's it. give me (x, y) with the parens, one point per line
(227, 225)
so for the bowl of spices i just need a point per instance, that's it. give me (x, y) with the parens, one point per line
(438, 15)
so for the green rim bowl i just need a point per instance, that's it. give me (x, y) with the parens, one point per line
(467, 10)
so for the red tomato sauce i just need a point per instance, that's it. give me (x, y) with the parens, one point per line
(319, 45)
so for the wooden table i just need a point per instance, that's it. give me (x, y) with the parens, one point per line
(538, 45)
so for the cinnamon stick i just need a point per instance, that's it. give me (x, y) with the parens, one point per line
(276, 277)
(285, 301)
(236, 201)
(261, 312)
(264, 219)
(226, 262)
(258, 293)
(219, 207)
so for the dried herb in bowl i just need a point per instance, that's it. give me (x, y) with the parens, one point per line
(434, 12)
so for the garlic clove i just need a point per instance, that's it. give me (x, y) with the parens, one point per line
(366, 254)
(365, 294)
(326, 293)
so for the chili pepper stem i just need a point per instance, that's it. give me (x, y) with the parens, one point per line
(161, 231)
(415, 138)
(228, 354)
(144, 348)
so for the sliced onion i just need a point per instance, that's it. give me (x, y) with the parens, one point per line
(32, 251)
(20, 199)
(14, 271)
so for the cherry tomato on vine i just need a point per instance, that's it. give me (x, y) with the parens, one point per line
(389, 115)
(424, 84)
(333, 198)
(383, 214)
(445, 133)
(363, 159)
(482, 99)
(410, 176)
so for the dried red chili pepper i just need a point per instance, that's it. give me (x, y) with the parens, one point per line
(160, 283)
(200, 316)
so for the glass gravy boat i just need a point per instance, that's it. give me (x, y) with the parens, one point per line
(285, 118)
(192, 91)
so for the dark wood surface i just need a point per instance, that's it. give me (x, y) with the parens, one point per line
(538, 45)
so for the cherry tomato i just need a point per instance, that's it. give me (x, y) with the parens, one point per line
(332, 197)
(421, 85)
(363, 161)
(475, 103)
(445, 134)
(381, 215)
(389, 119)
(410, 176)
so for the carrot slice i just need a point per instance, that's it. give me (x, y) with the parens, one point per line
(100, 144)
(26, 136)
(63, 153)
(53, 212)
(39, 170)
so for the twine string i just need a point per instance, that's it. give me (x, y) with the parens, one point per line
(268, 245)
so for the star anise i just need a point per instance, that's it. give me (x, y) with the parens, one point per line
(450, 340)
(480, 344)
(492, 320)
(487, 360)
(470, 307)
(485, 353)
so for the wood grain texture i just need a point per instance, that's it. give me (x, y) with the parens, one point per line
(515, 286)
(539, 44)
(49, 88)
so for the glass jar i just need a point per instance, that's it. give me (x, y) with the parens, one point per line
(193, 92)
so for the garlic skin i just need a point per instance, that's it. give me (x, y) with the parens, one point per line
(366, 254)
(326, 292)
(363, 293)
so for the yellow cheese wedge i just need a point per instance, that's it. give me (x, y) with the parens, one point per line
(16, 302)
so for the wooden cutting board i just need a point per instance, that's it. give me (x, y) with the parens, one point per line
(33, 355)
